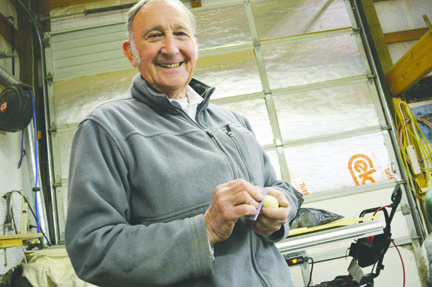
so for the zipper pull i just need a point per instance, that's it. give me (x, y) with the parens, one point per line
(209, 133)
(228, 130)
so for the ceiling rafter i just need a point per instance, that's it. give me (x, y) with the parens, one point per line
(404, 35)
(64, 3)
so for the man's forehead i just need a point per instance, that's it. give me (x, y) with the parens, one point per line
(174, 26)
(178, 20)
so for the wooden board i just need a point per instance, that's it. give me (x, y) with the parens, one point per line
(412, 66)
(337, 223)
(404, 35)
(16, 240)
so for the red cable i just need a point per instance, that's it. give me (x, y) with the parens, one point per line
(380, 209)
(369, 240)
(403, 265)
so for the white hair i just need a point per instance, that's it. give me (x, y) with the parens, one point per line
(133, 11)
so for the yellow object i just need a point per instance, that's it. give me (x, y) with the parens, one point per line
(413, 145)
(412, 66)
(270, 202)
(336, 223)
(16, 240)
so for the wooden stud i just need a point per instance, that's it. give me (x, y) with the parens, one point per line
(375, 30)
(44, 10)
(412, 66)
(405, 35)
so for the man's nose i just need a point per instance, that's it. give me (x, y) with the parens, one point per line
(169, 45)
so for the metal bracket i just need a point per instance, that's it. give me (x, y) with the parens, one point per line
(46, 40)
(356, 30)
(4, 55)
(371, 77)
(49, 78)
(405, 209)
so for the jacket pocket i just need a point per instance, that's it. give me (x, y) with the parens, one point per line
(248, 150)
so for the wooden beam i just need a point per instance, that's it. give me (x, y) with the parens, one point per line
(412, 66)
(405, 35)
(25, 46)
(16, 240)
(375, 30)
(64, 3)
(44, 10)
(6, 30)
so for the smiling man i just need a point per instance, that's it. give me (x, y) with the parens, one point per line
(163, 48)
(162, 183)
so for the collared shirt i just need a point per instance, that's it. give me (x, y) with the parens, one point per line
(190, 103)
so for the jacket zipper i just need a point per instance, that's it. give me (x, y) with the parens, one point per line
(255, 265)
(230, 160)
(214, 139)
(228, 131)
(251, 180)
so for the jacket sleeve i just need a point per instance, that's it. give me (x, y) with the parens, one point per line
(104, 248)
(294, 197)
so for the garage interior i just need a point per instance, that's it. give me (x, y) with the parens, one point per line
(338, 93)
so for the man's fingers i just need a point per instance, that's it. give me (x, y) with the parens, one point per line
(242, 185)
(244, 210)
(280, 213)
(243, 197)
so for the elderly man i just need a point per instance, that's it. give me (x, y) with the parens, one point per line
(162, 182)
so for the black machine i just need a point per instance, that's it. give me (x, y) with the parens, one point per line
(370, 250)
(15, 108)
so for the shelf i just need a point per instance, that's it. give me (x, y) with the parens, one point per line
(298, 243)
(16, 240)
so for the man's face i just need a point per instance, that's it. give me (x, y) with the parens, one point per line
(164, 40)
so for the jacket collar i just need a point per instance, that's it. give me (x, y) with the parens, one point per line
(144, 92)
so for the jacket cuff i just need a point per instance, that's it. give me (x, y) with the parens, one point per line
(202, 249)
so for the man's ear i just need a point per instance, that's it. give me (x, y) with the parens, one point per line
(128, 52)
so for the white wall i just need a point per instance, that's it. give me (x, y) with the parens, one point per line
(12, 178)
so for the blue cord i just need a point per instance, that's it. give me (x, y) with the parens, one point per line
(36, 161)
(22, 150)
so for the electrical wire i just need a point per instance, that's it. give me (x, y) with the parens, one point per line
(31, 210)
(22, 150)
(394, 244)
(381, 208)
(14, 225)
(310, 274)
(409, 134)
(403, 265)
(46, 108)
(36, 184)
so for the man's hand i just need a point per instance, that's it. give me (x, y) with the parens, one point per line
(230, 201)
(271, 220)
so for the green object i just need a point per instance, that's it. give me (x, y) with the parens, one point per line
(428, 204)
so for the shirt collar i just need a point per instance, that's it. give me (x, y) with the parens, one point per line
(193, 97)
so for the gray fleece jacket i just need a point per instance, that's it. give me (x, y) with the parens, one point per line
(142, 174)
